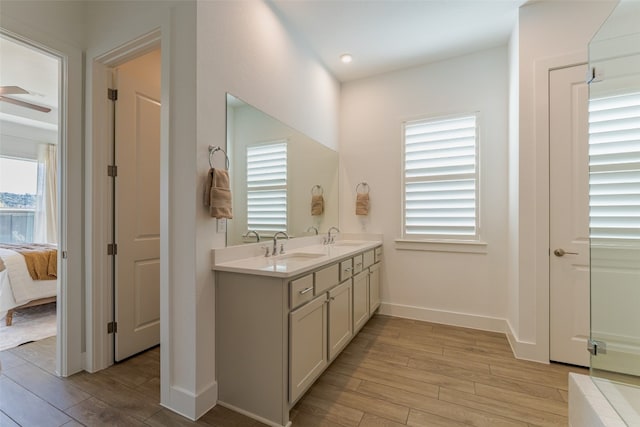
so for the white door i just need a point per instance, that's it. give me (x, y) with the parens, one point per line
(137, 210)
(569, 216)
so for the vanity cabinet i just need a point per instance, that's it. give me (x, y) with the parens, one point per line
(275, 335)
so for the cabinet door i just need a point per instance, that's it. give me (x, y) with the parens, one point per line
(307, 345)
(360, 300)
(340, 318)
(374, 287)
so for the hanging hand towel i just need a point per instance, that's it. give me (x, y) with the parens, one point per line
(362, 204)
(317, 205)
(217, 195)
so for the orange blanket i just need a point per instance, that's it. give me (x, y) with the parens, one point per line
(41, 258)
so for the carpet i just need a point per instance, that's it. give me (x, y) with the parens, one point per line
(29, 324)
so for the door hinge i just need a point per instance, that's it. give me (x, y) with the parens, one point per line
(112, 249)
(64, 254)
(112, 327)
(112, 94)
(594, 76)
(112, 171)
(596, 347)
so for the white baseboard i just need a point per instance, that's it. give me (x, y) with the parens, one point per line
(524, 350)
(190, 405)
(465, 320)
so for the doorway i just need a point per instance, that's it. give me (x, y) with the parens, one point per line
(569, 216)
(31, 199)
(136, 205)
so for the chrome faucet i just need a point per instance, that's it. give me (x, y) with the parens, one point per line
(315, 229)
(275, 242)
(330, 237)
(255, 233)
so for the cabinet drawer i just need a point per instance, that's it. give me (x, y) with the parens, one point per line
(368, 258)
(300, 291)
(327, 278)
(357, 264)
(346, 269)
(378, 254)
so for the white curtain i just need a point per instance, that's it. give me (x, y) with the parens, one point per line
(45, 227)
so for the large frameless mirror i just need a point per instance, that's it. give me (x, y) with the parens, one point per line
(281, 179)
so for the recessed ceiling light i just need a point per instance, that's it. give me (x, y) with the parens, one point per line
(346, 58)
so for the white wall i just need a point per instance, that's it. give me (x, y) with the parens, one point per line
(243, 49)
(461, 288)
(551, 35)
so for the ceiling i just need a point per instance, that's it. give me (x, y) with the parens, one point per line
(387, 35)
(382, 36)
(37, 73)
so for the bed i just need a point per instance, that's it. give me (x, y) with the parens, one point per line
(28, 277)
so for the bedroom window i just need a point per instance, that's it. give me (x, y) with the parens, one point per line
(614, 165)
(441, 179)
(18, 189)
(267, 187)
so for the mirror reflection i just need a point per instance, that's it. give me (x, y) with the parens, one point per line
(281, 179)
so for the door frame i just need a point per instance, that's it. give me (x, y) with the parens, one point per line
(69, 341)
(100, 296)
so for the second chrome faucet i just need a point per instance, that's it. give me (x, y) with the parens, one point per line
(330, 237)
(275, 242)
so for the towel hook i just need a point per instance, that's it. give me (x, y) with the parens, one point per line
(212, 151)
(364, 185)
(317, 188)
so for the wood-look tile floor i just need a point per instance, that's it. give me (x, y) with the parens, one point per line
(396, 372)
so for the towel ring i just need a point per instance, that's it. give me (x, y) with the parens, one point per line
(317, 188)
(212, 151)
(363, 185)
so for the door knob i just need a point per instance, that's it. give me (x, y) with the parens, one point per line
(562, 252)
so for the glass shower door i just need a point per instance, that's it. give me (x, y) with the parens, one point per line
(614, 187)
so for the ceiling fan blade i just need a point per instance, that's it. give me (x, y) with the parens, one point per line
(12, 90)
(24, 104)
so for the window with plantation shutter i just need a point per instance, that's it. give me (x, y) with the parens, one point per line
(267, 187)
(441, 178)
(614, 168)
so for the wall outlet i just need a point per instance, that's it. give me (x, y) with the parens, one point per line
(222, 225)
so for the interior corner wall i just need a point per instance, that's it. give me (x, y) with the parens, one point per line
(186, 373)
(512, 252)
(430, 285)
(244, 49)
(548, 32)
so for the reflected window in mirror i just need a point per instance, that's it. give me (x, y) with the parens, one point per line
(267, 187)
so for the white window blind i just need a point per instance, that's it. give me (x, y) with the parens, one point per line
(267, 187)
(614, 167)
(441, 178)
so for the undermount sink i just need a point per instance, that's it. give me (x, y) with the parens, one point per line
(347, 243)
(297, 256)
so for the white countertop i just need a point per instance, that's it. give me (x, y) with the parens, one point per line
(296, 260)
